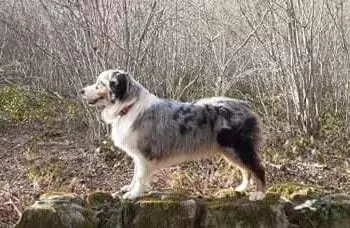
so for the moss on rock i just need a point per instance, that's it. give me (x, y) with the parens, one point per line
(228, 193)
(64, 210)
(241, 213)
(156, 210)
(296, 191)
(62, 197)
(97, 199)
(165, 213)
(110, 212)
(326, 211)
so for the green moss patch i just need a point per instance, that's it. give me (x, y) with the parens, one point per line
(25, 105)
(165, 213)
(48, 172)
(96, 199)
(296, 191)
(62, 210)
(57, 209)
(62, 197)
(241, 214)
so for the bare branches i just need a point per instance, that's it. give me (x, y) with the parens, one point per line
(126, 35)
(295, 50)
(248, 37)
(10, 201)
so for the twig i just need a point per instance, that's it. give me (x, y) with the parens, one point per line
(248, 38)
(190, 83)
(6, 192)
(273, 165)
(10, 201)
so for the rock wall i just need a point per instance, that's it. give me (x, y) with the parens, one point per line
(66, 210)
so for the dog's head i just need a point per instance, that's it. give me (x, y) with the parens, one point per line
(111, 86)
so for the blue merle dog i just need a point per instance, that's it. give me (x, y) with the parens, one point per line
(157, 133)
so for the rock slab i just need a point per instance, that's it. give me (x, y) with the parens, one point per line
(67, 210)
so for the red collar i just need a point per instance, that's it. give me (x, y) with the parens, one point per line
(125, 110)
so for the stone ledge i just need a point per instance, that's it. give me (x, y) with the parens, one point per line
(166, 210)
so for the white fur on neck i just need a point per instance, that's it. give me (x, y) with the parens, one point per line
(121, 125)
(110, 113)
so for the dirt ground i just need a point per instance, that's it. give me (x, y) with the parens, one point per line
(35, 159)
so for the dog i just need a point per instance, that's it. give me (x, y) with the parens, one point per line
(158, 133)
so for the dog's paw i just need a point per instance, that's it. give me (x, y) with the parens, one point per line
(241, 188)
(125, 188)
(116, 195)
(131, 195)
(254, 196)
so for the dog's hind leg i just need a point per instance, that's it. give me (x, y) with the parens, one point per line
(240, 145)
(245, 180)
(245, 173)
(259, 179)
(250, 170)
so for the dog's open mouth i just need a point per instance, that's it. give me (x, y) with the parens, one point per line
(92, 102)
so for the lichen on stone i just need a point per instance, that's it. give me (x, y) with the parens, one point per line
(58, 210)
(102, 210)
(296, 191)
(97, 199)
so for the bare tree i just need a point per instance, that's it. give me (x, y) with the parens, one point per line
(292, 54)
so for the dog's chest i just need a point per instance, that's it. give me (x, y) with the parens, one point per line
(120, 131)
(123, 136)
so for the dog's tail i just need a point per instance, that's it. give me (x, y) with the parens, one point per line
(252, 132)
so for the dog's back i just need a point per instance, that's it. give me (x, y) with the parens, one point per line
(175, 127)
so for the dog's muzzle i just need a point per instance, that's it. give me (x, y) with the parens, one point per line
(101, 94)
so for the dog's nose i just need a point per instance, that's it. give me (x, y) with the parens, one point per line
(82, 92)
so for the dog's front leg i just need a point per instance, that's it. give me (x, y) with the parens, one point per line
(141, 177)
(130, 186)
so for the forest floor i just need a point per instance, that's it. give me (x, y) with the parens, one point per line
(37, 157)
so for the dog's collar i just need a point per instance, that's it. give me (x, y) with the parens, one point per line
(125, 110)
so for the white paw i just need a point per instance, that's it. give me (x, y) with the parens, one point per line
(131, 195)
(254, 196)
(115, 195)
(241, 188)
(125, 188)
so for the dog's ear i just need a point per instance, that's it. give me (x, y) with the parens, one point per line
(119, 85)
